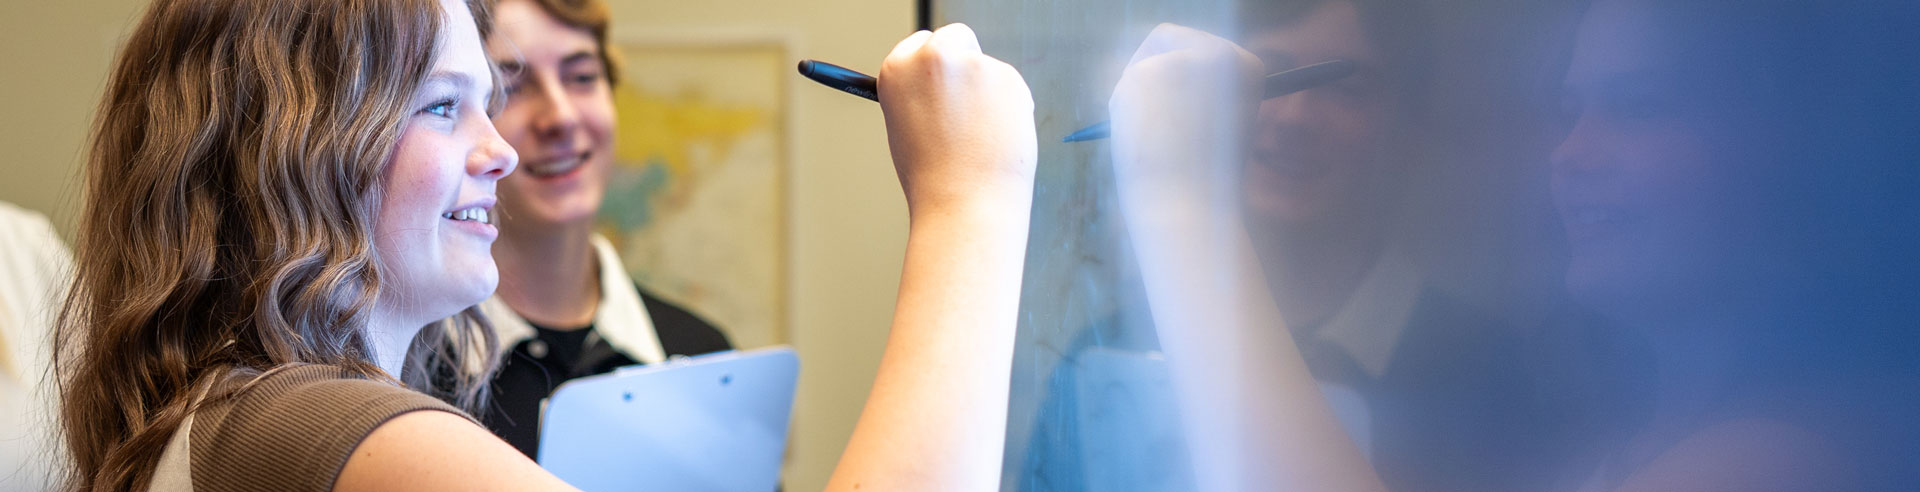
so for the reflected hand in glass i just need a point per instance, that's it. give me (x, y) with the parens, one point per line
(1255, 417)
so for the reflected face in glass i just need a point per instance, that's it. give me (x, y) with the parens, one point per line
(559, 115)
(1315, 153)
(1654, 183)
(432, 232)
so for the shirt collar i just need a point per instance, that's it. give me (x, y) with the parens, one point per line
(621, 318)
(1369, 324)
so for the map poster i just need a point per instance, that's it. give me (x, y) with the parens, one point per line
(697, 201)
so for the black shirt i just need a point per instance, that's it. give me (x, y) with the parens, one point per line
(537, 365)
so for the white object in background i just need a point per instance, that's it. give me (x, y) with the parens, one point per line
(35, 268)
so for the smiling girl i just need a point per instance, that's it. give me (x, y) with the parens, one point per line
(288, 213)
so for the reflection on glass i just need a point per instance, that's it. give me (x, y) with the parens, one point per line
(1723, 195)
(1567, 245)
(1433, 372)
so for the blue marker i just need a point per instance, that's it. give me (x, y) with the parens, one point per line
(839, 77)
(1279, 84)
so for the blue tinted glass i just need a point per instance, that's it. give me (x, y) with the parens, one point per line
(1543, 245)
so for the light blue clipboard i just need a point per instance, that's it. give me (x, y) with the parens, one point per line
(716, 422)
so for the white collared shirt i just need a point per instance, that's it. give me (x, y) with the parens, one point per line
(1368, 326)
(621, 318)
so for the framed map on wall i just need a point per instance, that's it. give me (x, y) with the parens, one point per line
(697, 201)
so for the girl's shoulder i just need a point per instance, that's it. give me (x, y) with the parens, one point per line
(292, 428)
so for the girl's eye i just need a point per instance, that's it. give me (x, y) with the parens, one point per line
(443, 108)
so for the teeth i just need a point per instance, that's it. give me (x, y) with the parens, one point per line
(554, 167)
(471, 214)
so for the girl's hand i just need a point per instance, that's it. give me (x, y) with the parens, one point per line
(959, 122)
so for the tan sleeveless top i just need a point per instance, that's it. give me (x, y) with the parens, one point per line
(292, 431)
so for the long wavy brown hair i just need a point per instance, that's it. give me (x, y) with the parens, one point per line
(231, 189)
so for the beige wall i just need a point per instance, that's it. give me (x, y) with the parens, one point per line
(54, 57)
(849, 222)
